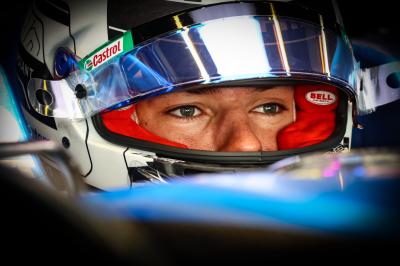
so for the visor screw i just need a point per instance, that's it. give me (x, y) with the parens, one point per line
(80, 91)
(65, 142)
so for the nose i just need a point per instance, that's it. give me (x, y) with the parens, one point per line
(236, 135)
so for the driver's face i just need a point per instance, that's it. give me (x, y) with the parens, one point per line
(223, 119)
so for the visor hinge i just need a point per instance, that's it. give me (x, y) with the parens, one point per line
(80, 91)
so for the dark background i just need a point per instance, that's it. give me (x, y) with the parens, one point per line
(371, 26)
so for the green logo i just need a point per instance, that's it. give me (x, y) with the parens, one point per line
(88, 65)
(107, 51)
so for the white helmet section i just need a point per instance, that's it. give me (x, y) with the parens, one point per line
(101, 163)
(88, 33)
(345, 145)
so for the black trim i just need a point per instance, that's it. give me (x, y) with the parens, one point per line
(93, 188)
(126, 14)
(69, 26)
(53, 10)
(200, 14)
(30, 43)
(112, 34)
(60, 4)
(87, 148)
(73, 39)
(43, 49)
(180, 168)
(131, 179)
(40, 69)
(227, 158)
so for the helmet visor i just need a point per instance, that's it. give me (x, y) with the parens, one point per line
(245, 48)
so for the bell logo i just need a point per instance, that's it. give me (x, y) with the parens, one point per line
(321, 97)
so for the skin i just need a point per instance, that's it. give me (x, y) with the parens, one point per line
(240, 119)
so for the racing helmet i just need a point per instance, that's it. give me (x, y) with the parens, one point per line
(86, 66)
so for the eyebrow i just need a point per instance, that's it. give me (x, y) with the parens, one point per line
(218, 89)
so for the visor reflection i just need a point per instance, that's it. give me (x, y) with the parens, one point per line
(228, 49)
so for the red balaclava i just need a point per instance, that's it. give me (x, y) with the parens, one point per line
(120, 122)
(315, 117)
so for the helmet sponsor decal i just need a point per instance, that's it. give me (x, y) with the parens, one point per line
(321, 97)
(88, 65)
(107, 51)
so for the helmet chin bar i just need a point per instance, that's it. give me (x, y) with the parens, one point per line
(345, 144)
(161, 170)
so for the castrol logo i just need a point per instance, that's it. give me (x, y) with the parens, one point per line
(106, 52)
(321, 97)
(103, 55)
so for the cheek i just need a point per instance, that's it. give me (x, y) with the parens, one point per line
(146, 118)
(274, 123)
(193, 136)
(267, 130)
(268, 141)
(287, 118)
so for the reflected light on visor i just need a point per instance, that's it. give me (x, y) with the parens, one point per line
(254, 60)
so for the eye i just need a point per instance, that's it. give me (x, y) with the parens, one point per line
(186, 111)
(269, 108)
